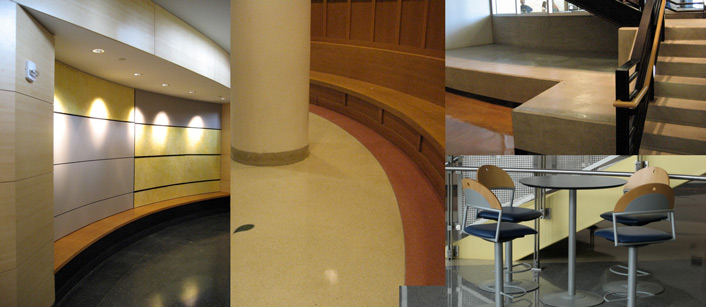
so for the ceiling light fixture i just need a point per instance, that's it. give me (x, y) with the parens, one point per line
(98, 50)
(192, 92)
(222, 98)
(165, 84)
(137, 74)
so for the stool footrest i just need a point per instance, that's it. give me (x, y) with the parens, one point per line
(614, 270)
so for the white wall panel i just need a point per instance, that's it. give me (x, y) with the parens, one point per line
(82, 183)
(70, 221)
(79, 139)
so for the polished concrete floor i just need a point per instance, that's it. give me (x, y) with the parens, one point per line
(579, 60)
(474, 127)
(328, 230)
(182, 265)
(676, 265)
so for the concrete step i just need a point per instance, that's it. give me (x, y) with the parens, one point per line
(680, 87)
(678, 111)
(681, 66)
(683, 48)
(673, 138)
(685, 32)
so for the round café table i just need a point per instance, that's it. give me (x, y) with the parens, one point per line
(572, 297)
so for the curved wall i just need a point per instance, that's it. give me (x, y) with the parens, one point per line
(116, 148)
(398, 44)
(145, 26)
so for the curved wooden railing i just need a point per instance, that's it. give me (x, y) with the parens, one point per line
(634, 80)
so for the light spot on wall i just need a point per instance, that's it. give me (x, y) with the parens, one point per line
(331, 276)
(195, 135)
(190, 294)
(159, 132)
(139, 118)
(98, 109)
(58, 105)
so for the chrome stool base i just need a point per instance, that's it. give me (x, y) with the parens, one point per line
(514, 287)
(644, 288)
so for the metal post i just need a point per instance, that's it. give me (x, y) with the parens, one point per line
(572, 242)
(499, 284)
(449, 214)
(632, 275)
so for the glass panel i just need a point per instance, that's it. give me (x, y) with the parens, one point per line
(506, 6)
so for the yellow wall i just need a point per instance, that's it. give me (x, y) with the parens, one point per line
(152, 196)
(590, 204)
(161, 171)
(160, 140)
(79, 93)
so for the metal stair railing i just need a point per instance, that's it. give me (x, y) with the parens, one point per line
(634, 80)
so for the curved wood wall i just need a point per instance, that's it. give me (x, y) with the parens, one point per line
(381, 62)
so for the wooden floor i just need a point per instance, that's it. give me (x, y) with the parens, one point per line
(474, 127)
(72, 244)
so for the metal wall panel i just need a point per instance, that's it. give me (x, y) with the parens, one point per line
(70, 221)
(82, 183)
(79, 139)
(178, 111)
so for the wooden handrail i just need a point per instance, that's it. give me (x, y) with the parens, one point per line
(653, 56)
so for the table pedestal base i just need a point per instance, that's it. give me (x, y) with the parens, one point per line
(563, 299)
(514, 287)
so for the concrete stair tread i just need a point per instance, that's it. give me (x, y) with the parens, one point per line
(680, 103)
(675, 131)
(679, 59)
(680, 79)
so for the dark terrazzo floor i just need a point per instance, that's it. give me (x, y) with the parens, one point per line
(182, 265)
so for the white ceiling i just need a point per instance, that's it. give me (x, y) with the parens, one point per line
(73, 46)
(210, 17)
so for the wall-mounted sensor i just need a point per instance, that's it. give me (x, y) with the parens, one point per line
(31, 72)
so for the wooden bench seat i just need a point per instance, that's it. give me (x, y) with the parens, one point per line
(74, 243)
(414, 125)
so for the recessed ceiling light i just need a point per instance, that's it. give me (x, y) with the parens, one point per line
(98, 50)
(222, 98)
(192, 92)
(165, 84)
(137, 74)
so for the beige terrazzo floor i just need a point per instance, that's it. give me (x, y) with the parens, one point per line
(327, 230)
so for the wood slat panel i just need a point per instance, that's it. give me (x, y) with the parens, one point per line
(422, 115)
(362, 106)
(436, 25)
(412, 23)
(385, 21)
(435, 157)
(361, 20)
(317, 18)
(416, 75)
(71, 245)
(407, 132)
(336, 18)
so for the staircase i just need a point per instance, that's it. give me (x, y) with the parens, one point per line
(676, 120)
(624, 14)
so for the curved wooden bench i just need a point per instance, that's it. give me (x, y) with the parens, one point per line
(414, 125)
(75, 251)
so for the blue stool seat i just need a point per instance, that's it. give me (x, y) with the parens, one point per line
(632, 219)
(635, 234)
(508, 231)
(511, 214)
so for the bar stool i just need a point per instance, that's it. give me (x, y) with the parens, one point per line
(646, 199)
(646, 175)
(495, 178)
(478, 196)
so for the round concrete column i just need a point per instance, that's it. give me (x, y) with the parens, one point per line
(270, 49)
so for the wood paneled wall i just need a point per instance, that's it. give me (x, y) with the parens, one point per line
(415, 26)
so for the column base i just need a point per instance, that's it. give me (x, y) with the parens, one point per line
(269, 158)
